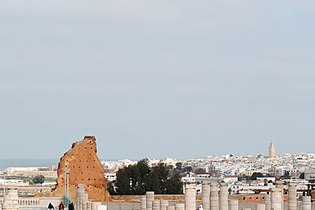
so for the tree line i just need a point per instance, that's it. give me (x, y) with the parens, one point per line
(139, 178)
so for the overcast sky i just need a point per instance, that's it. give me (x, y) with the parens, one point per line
(155, 79)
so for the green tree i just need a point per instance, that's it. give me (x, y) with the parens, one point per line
(174, 185)
(200, 171)
(111, 187)
(179, 165)
(286, 175)
(187, 169)
(255, 175)
(139, 178)
(39, 179)
(123, 181)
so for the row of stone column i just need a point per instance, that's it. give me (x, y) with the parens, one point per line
(11, 200)
(210, 199)
(275, 201)
(149, 203)
(213, 200)
(83, 202)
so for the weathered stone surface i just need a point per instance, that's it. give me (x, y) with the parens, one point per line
(85, 168)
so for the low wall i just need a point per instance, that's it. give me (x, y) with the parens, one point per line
(32, 202)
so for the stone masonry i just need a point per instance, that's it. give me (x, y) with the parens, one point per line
(84, 168)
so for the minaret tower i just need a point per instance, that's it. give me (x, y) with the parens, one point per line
(271, 150)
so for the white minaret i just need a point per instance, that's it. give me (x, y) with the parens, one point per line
(272, 150)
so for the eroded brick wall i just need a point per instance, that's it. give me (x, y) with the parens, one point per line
(85, 168)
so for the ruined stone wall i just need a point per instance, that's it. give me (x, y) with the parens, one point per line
(85, 168)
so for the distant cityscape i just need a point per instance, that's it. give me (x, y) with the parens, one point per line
(244, 174)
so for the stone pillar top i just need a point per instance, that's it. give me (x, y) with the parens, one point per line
(234, 201)
(81, 185)
(306, 198)
(292, 184)
(279, 182)
(190, 186)
(165, 202)
(213, 183)
(223, 184)
(276, 190)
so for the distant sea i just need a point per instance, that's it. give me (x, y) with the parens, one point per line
(5, 163)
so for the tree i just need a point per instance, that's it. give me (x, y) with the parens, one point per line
(187, 169)
(39, 179)
(286, 175)
(139, 178)
(200, 171)
(111, 188)
(255, 175)
(174, 185)
(179, 165)
(123, 181)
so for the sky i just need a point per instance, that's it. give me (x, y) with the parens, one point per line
(155, 79)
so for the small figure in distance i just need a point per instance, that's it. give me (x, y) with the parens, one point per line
(200, 207)
(50, 206)
(61, 206)
(70, 206)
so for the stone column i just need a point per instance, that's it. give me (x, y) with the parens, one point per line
(267, 201)
(170, 208)
(80, 196)
(260, 206)
(306, 203)
(299, 205)
(149, 195)
(89, 205)
(214, 196)
(85, 198)
(280, 185)
(206, 196)
(84, 206)
(95, 204)
(150, 199)
(190, 197)
(224, 196)
(164, 204)
(143, 202)
(181, 206)
(233, 204)
(276, 196)
(101, 207)
(11, 200)
(292, 201)
(156, 205)
(149, 205)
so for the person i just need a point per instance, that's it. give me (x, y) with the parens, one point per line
(50, 206)
(61, 206)
(200, 207)
(70, 206)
